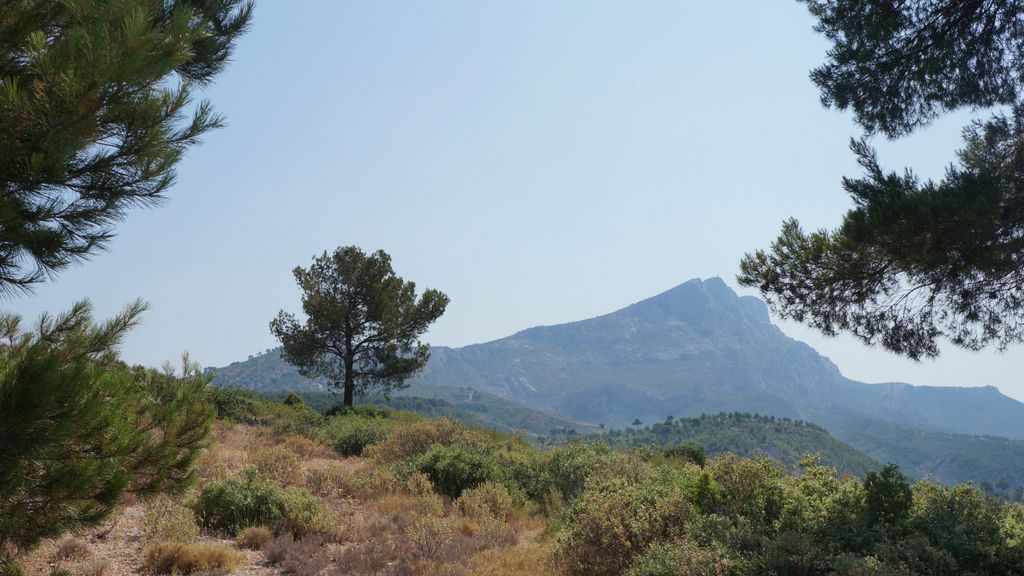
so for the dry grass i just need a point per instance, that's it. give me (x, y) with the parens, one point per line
(390, 527)
(329, 478)
(98, 567)
(168, 521)
(304, 447)
(254, 537)
(430, 505)
(526, 560)
(278, 464)
(71, 549)
(177, 557)
(306, 557)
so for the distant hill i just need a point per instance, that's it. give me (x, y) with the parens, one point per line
(749, 435)
(465, 404)
(701, 349)
(993, 462)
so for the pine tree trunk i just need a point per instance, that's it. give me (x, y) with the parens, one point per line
(350, 384)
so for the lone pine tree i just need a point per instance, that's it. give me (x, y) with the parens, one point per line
(363, 323)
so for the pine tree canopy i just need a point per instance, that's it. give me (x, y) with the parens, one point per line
(78, 428)
(95, 113)
(363, 323)
(915, 262)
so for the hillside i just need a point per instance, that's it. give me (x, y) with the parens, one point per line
(701, 349)
(464, 404)
(785, 441)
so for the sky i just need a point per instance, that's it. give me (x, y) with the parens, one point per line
(540, 162)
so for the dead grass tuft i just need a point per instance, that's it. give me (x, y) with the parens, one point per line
(71, 549)
(97, 567)
(254, 537)
(168, 521)
(329, 478)
(177, 557)
(280, 465)
(305, 557)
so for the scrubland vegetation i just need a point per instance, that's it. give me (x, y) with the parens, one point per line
(286, 490)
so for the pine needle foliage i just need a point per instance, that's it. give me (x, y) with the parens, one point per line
(95, 113)
(79, 428)
(915, 262)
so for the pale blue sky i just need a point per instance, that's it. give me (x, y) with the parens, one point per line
(539, 161)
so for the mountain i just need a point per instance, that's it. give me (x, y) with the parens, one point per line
(701, 349)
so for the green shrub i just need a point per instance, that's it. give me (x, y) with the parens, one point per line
(687, 451)
(453, 469)
(303, 514)
(680, 559)
(611, 522)
(365, 410)
(293, 399)
(234, 504)
(569, 468)
(488, 500)
(411, 441)
(356, 438)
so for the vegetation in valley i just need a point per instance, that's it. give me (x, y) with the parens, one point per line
(749, 435)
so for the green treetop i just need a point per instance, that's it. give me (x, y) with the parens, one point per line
(363, 323)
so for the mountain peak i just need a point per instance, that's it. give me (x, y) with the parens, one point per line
(698, 302)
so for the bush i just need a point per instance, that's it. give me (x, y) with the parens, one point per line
(488, 500)
(356, 438)
(254, 537)
(612, 522)
(373, 481)
(168, 521)
(181, 558)
(749, 488)
(410, 441)
(297, 557)
(571, 467)
(234, 504)
(419, 484)
(72, 549)
(330, 479)
(680, 559)
(293, 399)
(453, 469)
(279, 464)
(687, 451)
(429, 535)
(303, 514)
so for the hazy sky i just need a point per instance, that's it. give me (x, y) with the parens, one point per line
(540, 162)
